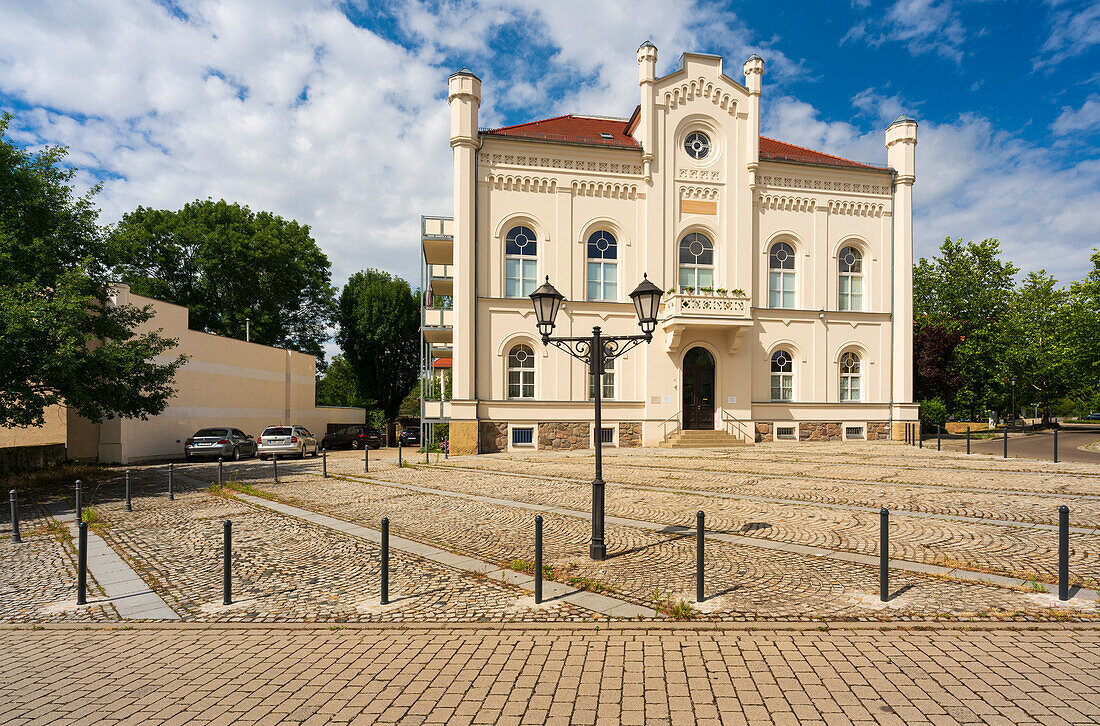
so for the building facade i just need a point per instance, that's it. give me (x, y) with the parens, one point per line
(788, 311)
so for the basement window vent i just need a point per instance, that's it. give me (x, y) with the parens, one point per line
(853, 432)
(523, 436)
(608, 436)
(606, 135)
(784, 432)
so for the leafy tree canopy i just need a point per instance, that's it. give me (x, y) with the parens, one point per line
(226, 263)
(337, 387)
(60, 338)
(379, 333)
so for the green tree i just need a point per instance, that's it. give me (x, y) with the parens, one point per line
(336, 387)
(61, 340)
(1041, 353)
(1083, 330)
(226, 263)
(966, 291)
(378, 320)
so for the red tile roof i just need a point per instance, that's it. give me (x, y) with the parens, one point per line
(575, 129)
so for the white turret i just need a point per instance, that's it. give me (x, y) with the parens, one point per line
(646, 132)
(754, 76)
(901, 146)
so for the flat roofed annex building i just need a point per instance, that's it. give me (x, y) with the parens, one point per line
(788, 273)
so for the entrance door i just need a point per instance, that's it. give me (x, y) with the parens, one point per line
(698, 389)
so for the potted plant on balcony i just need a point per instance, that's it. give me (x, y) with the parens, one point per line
(721, 291)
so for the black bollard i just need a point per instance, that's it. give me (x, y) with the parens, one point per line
(968, 439)
(171, 471)
(920, 436)
(227, 565)
(129, 506)
(538, 558)
(1006, 442)
(399, 464)
(221, 467)
(366, 458)
(1063, 552)
(699, 556)
(1055, 446)
(385, 560)
(79, 502)
(14, 516)
(324, 463)
(82, 564)
(939, 433)
(884, 555)
(275, 466)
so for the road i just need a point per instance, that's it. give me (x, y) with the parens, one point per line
(1037, 445)
(549, 675)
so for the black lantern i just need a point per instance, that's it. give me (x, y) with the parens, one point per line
(547, 301)
(647, 298)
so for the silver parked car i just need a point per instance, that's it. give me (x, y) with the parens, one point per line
(287, 441)
(224, 442)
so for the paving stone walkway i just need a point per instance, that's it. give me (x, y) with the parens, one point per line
(553, 675)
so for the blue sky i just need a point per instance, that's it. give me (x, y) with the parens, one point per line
(334, 113)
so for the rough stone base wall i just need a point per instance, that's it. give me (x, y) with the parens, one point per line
(563, 435)
(820, 431)
(493, 436)
(630, 433)
(763, 432)
(27, 458)
(878, 430)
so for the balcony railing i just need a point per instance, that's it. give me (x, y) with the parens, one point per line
(437, 318)
(705, 305)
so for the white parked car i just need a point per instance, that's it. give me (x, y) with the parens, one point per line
(287, 441)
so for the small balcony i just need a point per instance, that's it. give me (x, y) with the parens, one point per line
(437, 237)
(437, 324)
(441, 280)
(714, 310)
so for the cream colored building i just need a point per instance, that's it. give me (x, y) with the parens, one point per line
(225, 382)
(789, 272)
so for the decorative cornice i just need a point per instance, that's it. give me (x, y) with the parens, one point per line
(701, 88)
(552, 162)
(779, 201)
(699, 175)
(508, 182)
(604, 189)
(860, 209)
(824, 185)
(690, 192)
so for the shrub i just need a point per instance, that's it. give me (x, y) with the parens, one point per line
(933, 413)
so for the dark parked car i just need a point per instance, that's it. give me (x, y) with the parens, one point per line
(352, 437)
(1092, 417)
(410, 437)
(227, 443)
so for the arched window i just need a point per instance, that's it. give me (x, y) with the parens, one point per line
(849, 377)
(696, 261)
(781, 276)
(851, 279)
(782, 376)
(521, 372)
(520, 258)
(603, 272)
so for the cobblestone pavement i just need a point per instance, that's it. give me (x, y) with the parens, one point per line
(38, 575)
(283, 568)
(742, 582)
(559, 675)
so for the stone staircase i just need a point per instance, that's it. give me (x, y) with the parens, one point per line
(695, 439)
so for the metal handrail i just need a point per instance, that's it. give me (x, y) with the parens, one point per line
(676, 416)
(728, 417)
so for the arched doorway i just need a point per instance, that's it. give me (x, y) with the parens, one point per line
(698, 375)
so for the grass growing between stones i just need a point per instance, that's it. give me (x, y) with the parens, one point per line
(226, 489)
(528, 568)
(673, 607)
(57, 481)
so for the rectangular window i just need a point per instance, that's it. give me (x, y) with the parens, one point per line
(853, 432)
(603, 281)
(849, 388)
(782, 387)
(607, 435)
(851, 293)
(523, 436)
(608, 391)
(519, 277)
(780, 289)
(784, 432)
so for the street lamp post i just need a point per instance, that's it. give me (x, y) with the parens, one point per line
(1013, 403)
(596, 352)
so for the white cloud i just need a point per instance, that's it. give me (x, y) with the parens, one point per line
(1086, 118)
(1074, 29)
(923, 26)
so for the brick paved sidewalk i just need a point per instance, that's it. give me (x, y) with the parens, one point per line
(555, 675)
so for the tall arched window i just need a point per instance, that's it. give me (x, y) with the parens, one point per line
(520, 259)
(849, 377)
(782, 376)
(608, 390)
(603, 272)
(781, 276)
(851, 279)
(521, 372)
(696, 261)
